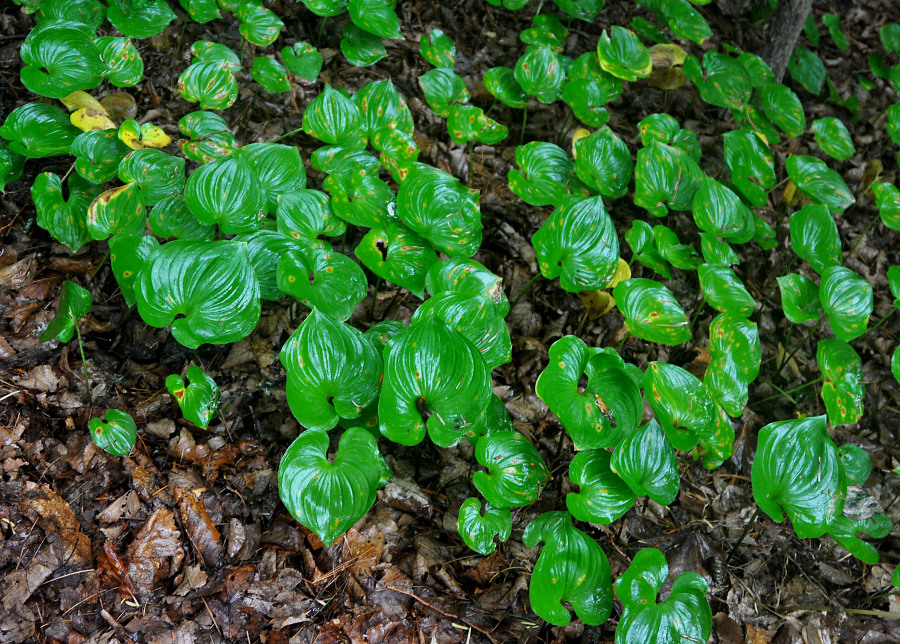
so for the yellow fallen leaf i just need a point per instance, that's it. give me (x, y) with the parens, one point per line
(87, 119)
(79, 100)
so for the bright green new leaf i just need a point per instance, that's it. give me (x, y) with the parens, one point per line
(279, 170)
(718, 210)
(439, 50)
(211, 83)
(516, 472)
(226, 192)
(665, 177)
(117, 435)
(502, 84)
(324, 279)
(622, 54)
(172, 218)
(442, 87)
(61, 57)
(326, 8)
(494, 419)
(65, 219)
(726, 386)
(843, 389)
(651, 311)
(89, 12)
(201, 10)
(815, 238)
(211, 284)
(397, 255)
(847, 301)
(128, 254)
(578, 244)
(642, 241)
(271, 74)
(571, 568)
(11, 165)
(434, 379)
(303, 59)
(540, 73)
(117, 211)
(658, 127)
(799, 298)
(329, 495)
(844, 530)
(722, 81)
(140, 18)
(157, 174)
(893, 275)
(833, 137)
(797, 470)
(477, 530)
(199, 400)
(99, 153)
(382, 107)
(807, 69)
(856, 463)
(783, 108)
(887, 198)
(546, 174)
(37, 130)
(210, 138)
(306, 215)
(685, 616)
(74, 302)
(715, 251)
(819, 182)
(890, 37)
(680, 402)
(333, 372)
(723, 291)
(360, 47)
(266, 248)
(376, 17)
(333, 118)
(125, 68)
(833, 23)
(467, 277)
(603, 496)
(752, 166)
(673, 251)
(204, 51)
(258, 25)
(603, 163)
(646, 462)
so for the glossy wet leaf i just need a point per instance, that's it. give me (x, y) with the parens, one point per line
(502, 84)
(641, 240)
(724, 291)
(360, 47)
(469, 123)
(333, 371)
(65, 219)
(571, 568)
(329, 495)
(578, 244)
(658, 127)
(495, 418)
(210, 138)
(752, 166)
(807, 69)
(140, 19)
(736, 339)
(210, 83)
(680, 402)
(324, 279)
(819, 183)
(172, 218)
(117, 435)
(847, 301)
(434, 379)
(11, 165)
(603, 497)
(622, 54)
(467, 277)
(157, 174)
(198, 400)
(890, 37)
(815, 238)
(722, 81)
(834, 139)
(37, 130)
(893, 275)
(856, 463)
(209, 51)
(128, 254)
(664, 178)
(279, 170)
(783, 108)
(716, 251)
(646, 462)
(333, 118)
(125, 67)
(99, 153)
(845, 530)
(201, 10)
(478, 530)
(587, 98)
(516, 472)
(673, 251)
(651, 312)
(437, 48)
(326, 8)
(546, 174)
(603, 163)
(435, 205)
(117, 211)
(271, 74)
(259, 25)
(266, 248)
(887, 198)
(361, 199)
(799, 298)
(539, 72)
(382, 107)
(61, 57)
(307, 214)
(843, 389)
(226, 192)
(797, 472)
(718, 210)
(684, 21)
(74, 303)
(684, 616)
(399, 152)
(148, 135)
(302, 59)
(211, 284)
(442, 87)
(396, 254)
(89, 12)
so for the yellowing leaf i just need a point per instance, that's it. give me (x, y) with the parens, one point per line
(623, 273)
(597, 303)
(80, 100)
(667, 55)
(87, 119)
(579, 134)
(143, 136)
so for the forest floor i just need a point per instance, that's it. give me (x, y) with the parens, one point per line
(186, 540)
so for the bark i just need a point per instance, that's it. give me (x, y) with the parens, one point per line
(784, 28)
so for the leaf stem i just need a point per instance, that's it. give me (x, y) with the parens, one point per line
(790, 391)
(287, 134)
(87, 381)
(523, 291)
(863, 236)
(743, 535)
(799, 346)
(880, 322)
(524, 123)
(622, 343)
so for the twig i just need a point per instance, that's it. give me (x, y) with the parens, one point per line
(445, 614)
(743, 536)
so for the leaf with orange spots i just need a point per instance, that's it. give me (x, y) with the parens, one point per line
(128, 254)
(117, 211)
(681, 403)
(198, 400)
(622, 54)
(724, 291)
(516, 472)
(117, 435)
(322, 278)
(651, 311)
(843, 389)
(65, 219)
(99, 153)
(847, 301)
(397, 255)
(477, 530)
(646, 462)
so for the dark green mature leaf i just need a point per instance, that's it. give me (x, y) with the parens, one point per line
(799, 298)
(847, 301)
(99, 153)
(61, 57)
(65, 219)
(887, 198)
(540, 73)
(334, 118)
(125, 68)
(199, 401)
(226, 192)
(680, 402)
(211, 284)
(140, 18)
(302, 59)
(89, 12)
(642, 241)
(157, 174)
(434, 379)
(467, 277)
(117, 435)
(11, 165)
(571, 568)
(209, 51)
(210, 137)
(603, 162)
(807, 69)
(546, 174)
(375, 16)
(784, 109)
(397, 255)
(715, 251)
(844, 530)
(74, 302)
(258, 25)
(333, 371)
(279, 170)
(477, 530)
(649, 30)
(201, 10)
(439, 50)
(622, 54)
(578, 244)
(665, 177)
(360, 47)
(117, 211)
(438, 207)
(685, 616)
(37, 130)
(442, 87)
(128, 254)
(516, 472)
(797, 470)
(724, 291)
(266, 248)
(307, 214)
(502, 84)
(329, 495)
(322, 278)
(382, 107)
(815, 238)
(893, 112)
(833, 137)
(172, 218)
(601, 413)
(723, 81)
(673, 251)
(819, 182)
(843, 389)
(271, 74)
(211, 83)
(603, 496)
(646, 462)
(718, 210)
(651, 311)
(751, 164)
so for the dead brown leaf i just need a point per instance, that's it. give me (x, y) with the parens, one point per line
(156, 552)
(202, 532)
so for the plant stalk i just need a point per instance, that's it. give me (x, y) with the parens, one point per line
(524, 290)
(743, 535)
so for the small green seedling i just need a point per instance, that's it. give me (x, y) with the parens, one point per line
(199, 400)
(117, 435)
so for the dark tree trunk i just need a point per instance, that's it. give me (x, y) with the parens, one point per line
(784, 28)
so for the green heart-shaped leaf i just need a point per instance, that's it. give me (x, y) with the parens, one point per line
(722, 82)
(718, 210)
(99, 153)
(74, 302)
(783, 108)
(716, 441)
(208, 51)
(665, 177)
(360, 198)
(723, 291)
(807, 69)
(360, 47)
(324, 279)
(516, 472)
(258, 25)
(651, 311)
(887, 198)
(815, 238)
(603, 496)
(334, 118)
(603, 162)
(578, 244)
(381, 106)
(833, 23)
(856, 463)
(398, 152)
(819, 182)
(271, 74)
(210, 135)
(797, 470)
(306, 215)
(442, 86)
(646, 462)
(89, 12)
(266, 248)
(673, 251)
(172, 218)
(199, 401)
(211, 284)
(684, 21)
(117, 211)
(397, 255)
(303, 59)
(546, 175)
(844, 530)
(799, 298)
(685, 615)
(439, 50)
(468, 122)
(843, 389)
(642, 241)
(467, 277)
(37, 130)
(61, 57)
(434, 379)
(736, 339)
(351, 163)
(142, 19)
(201, 10)
(125, 68)
(66, 220)
(495, 418)
(279, 170)
(571, 568)
(847, 301)
(680, 402)
(661, 128)
(502, 84)
(226, 192)
(833, 137)
(622, 54)
(375, 16)
(157, 174)
(726, 385)
(333, 371)
(540, 73)
(326, 8)
(751, 164)
(128, 254)
(210, 83)
(117, 435)
(586, 99)
(715, 251)
(893, 275)
(329, 495)
(477, 530)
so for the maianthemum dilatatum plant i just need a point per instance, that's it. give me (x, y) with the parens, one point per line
(201, 232)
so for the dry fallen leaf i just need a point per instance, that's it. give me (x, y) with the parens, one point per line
(155, 553)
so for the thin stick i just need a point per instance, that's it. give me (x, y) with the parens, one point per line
(863, 236)
(524, 290)
(743, 536)
(790, 391)
(799, 346)
(87, 382)
(880, 322)
(445, 614)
